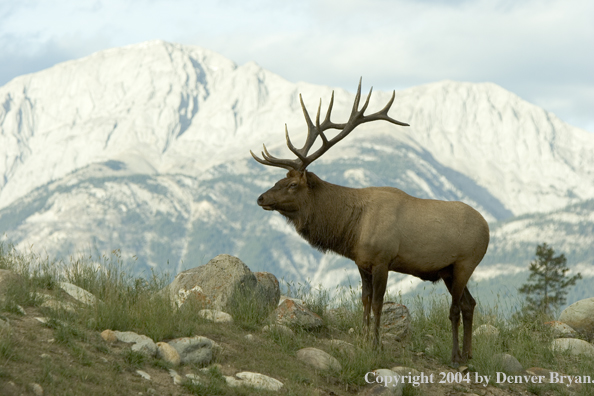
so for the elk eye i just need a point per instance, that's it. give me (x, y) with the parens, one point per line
(293, 185)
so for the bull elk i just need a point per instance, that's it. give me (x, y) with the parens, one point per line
(380, 228)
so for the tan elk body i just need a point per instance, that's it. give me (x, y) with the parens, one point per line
(381, 228)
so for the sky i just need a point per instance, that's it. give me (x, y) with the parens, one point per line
(541, 50)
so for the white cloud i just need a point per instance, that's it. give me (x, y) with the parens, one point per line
(541, 50)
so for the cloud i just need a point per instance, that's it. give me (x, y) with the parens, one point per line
(538, 49)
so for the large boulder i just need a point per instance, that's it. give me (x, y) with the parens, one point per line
(574, 346)
(213, 284)
(267, 288)
(318, 359)
(580, 316)
(196, 349)
(291, 313)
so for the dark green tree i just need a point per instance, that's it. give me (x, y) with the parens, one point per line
(547, 284)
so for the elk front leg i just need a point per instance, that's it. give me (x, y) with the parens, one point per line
(379, 281)
(366, 296)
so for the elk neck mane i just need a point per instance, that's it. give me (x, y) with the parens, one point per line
(329, 216)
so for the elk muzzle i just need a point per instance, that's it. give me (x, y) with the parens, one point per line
(262, 202)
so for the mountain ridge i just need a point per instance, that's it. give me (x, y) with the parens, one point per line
(145, 149)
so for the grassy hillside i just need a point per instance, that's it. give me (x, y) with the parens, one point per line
(66, 355)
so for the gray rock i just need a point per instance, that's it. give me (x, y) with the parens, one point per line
(143, 374)
(580, 316)
(79, 294)
(293, 314)
(193, 349)
(509, 363)
(36, 389)
(486, 330)
(259, 381)
(382, 385)
(402, 370)
(56, 305)
(561, 330)
(177, 379)
(574, 346)
(395, 320)
(318, 359)
(141, 343)
(213, 284)
(267, 288)
(343, 347)
(215, 316)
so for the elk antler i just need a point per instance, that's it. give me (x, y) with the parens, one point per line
(313, 131)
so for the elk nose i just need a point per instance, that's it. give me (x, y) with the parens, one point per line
(260, 199)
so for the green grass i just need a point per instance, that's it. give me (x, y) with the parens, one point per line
(128, 303)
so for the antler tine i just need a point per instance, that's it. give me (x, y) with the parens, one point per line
(383, 114)
(293, 149)
(357, 99)
(273, 161)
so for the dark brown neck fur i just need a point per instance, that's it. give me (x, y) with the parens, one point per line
(329, 218)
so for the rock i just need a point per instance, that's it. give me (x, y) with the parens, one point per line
(168, 353)
(293, 314)
(509, 363)
(318, 359)
(193, 349)
(109, 336)
(343, 347)
(232, 381)
(56, 305)
(402, 370)
(339, 315)
(143, 374)
(215, 316)
(4, 324)
(395, 320)
(250, 337)
(280, 329)
(561, 330)
(80, 295)
(259, 381)
(580, 316)
(142, 343)
(213, 284)
(383, 385)
(574, 346)
(297, 300)
(36, 389)
(195, 379)
(267, 288)
(177, 379)
(486, 330)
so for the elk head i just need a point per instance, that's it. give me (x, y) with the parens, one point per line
(288, 194)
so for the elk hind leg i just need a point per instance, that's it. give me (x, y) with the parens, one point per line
(467, 304)
(379, 280)
(454, 319)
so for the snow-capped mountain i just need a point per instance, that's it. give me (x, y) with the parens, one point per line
(146, 149)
